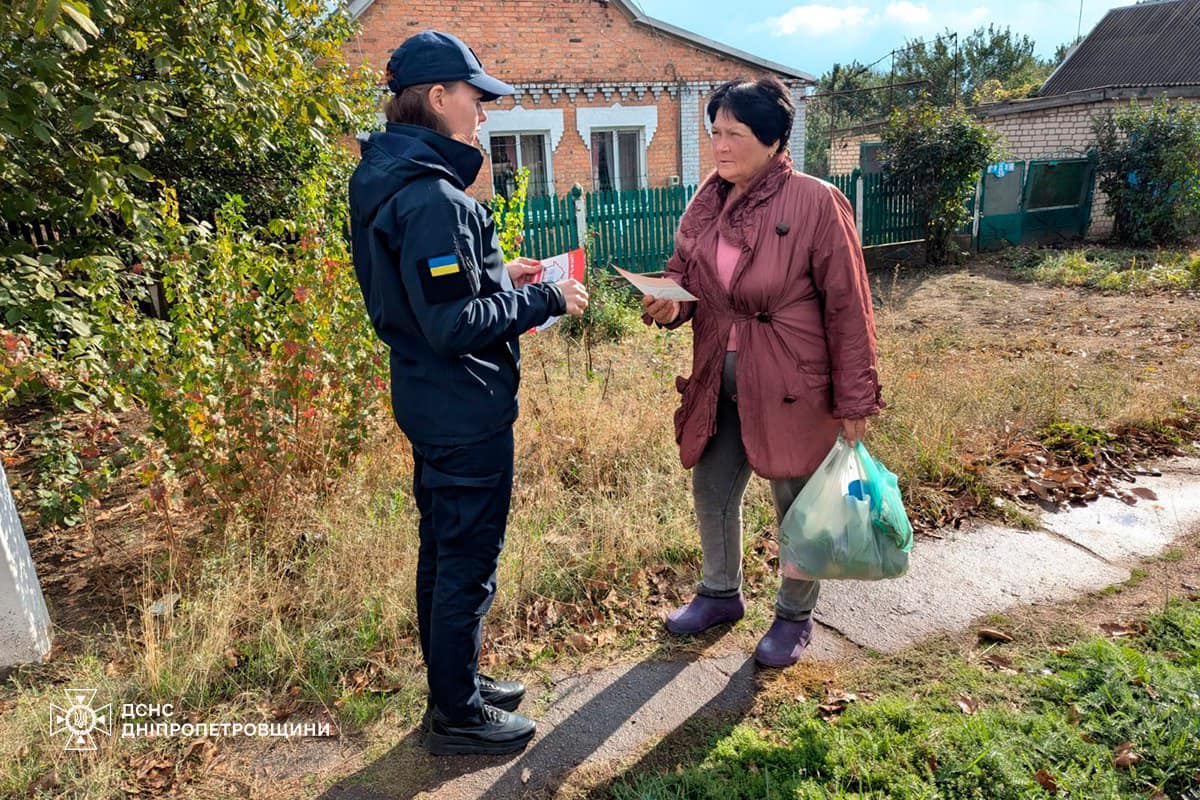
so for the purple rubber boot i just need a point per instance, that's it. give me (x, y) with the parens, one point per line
(783, 643)
(705, 612)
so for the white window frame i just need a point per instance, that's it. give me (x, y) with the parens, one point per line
(619, 117)
(518, 121)
(546, 153)
(642, 176)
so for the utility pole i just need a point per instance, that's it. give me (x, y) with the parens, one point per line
(1079, 24)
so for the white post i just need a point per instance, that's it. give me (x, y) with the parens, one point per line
(580, 216)
(977, 214)
(858, 207)
(24, 621)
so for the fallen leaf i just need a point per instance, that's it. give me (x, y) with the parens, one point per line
(1073, 715)
(999, 663)
(46, 783)
(1124, 757)
(578, 641)
(993, 635)
(1116, 630)
(526, 775)
(1144, 493)
(1046, 781)
(164, 605)
(231, 658)
(967, 704)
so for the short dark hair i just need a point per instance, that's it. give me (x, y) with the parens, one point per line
(764, 106)
(411, 107)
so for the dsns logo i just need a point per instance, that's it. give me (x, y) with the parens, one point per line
(80, 720)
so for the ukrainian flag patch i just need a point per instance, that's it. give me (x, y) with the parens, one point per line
(443, 265)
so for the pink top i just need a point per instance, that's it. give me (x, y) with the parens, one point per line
(727, 257)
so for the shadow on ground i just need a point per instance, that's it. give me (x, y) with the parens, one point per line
(589, 723)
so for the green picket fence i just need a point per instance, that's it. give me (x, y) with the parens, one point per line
(549, 226)
(845, 183)
(889, 213)
(635, 230)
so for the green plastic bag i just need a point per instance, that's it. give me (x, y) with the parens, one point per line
(847, 522)
(887, 506)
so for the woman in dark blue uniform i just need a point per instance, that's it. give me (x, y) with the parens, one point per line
(451, 311)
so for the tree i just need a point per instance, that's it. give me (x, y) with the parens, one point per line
(843, 98)
(1148, 166)
(990, 61)
(937, 153)
(119, 119)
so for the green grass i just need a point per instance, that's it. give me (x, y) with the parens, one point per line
(1058, 715)
(1112, 269)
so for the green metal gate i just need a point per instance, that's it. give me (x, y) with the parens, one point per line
(1000, 205)
(1037, 202)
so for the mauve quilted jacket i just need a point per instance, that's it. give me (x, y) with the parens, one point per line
(802, 306)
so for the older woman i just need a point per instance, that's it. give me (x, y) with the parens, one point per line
(784, 346)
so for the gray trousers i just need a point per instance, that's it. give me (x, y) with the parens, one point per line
(719, 483)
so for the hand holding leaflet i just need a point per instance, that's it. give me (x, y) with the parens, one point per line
(557, 268)
(662, 288)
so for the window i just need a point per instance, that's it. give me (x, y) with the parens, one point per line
(617, 160)
(1056, 184)
(870, 158)
(511, 152)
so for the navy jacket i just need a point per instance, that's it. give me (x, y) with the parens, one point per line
(436, 288)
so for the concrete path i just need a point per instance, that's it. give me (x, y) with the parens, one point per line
(617, 713)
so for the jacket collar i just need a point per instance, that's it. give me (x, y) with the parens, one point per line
(462, 161)
(709, 203)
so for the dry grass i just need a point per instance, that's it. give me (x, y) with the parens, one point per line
(601, 535)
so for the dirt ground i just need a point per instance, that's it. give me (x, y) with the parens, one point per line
(994, 308)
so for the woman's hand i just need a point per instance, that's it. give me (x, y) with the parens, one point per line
(523, 271)
(854, 430)
(662, 311)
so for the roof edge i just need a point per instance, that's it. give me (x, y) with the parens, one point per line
(356, 8)
(1085, 96)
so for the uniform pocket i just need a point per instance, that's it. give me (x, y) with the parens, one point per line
(434, 478)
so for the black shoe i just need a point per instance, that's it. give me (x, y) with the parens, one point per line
(495, 732)
(506, 695)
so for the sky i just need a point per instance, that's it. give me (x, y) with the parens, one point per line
(815, 34)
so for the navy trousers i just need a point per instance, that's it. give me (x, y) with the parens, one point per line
(463, 494)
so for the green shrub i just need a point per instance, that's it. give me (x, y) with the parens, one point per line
(124, 127)
(510, 213)
(613, 311)
(937, 153)
(1149, 168)
(272, 371)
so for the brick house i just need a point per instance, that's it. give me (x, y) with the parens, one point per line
(608, 98)
(1134, 54)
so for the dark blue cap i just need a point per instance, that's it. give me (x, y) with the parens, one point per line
(436, 57)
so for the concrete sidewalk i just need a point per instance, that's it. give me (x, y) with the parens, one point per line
(617, 713)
